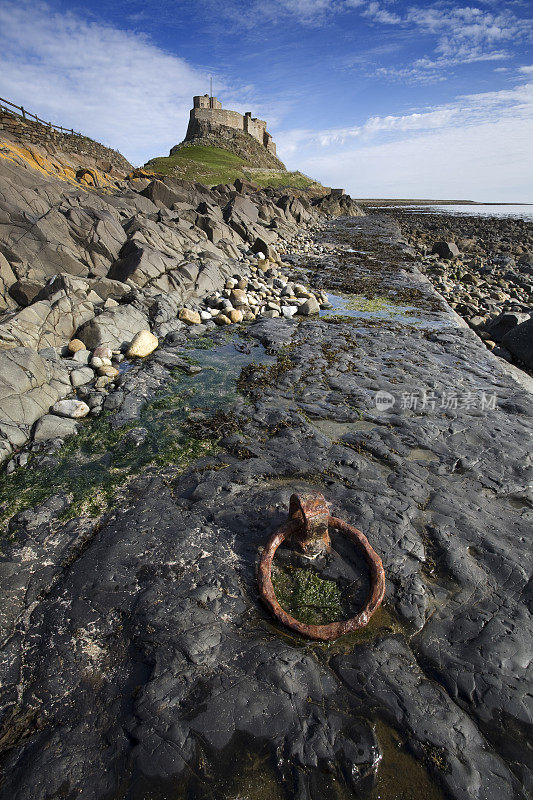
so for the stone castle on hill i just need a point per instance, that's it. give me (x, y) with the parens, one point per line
(208, 111)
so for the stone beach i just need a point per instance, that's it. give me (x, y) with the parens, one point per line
(219, 350)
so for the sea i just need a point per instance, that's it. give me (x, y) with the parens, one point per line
(523, 211)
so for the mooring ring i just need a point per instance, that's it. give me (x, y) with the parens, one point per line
(334, 629)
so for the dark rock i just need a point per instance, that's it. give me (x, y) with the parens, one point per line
(447, 250)
(24, 292)
(161, 195)
(519, 342)
(504, 323)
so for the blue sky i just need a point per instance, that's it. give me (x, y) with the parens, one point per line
(383, 97)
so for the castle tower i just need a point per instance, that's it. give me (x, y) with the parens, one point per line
(204, 101)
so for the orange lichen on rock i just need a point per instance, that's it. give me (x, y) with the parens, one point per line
(28, 156)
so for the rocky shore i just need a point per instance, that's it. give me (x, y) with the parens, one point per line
(102, 263)
(483, 266)
(136, 659)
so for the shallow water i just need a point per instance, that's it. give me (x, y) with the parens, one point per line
(361, 307)
(92, 465)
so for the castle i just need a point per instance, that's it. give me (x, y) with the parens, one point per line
(209, 110)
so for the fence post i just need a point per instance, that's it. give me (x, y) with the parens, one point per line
(23, 112)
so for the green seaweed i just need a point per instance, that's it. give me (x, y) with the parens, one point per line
(306, 596)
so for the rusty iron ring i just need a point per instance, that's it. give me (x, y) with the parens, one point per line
(301, 527)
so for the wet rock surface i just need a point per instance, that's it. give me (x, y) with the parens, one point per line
(136, 659)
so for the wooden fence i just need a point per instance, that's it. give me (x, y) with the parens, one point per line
(21, 112)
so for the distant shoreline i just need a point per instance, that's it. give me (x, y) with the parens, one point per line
(388, 201)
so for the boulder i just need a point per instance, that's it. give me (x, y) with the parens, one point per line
(161, 195)
(245, 186)
(445, 250)
(113, 328)
(142, 345)
(143, 264)
(29, 385)
(311, 306)
(339, 205)
(46, 323)
(260, 245)
(53, 427)
(24, 292)
(519, 342)
(7, 278)
(79, 377)
(504, 323)
(106, 288)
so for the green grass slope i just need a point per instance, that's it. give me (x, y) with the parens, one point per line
(213, 165)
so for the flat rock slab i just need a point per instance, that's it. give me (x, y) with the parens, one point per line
(148, 665)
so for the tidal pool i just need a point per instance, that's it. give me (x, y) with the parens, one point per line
(91, 466)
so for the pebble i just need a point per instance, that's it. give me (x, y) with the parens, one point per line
(74, 409)
(102, 352)
(143, 343)
(189, 317)
(107, 370)
(74, 345)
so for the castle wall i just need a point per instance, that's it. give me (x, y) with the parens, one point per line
(209, 110)
(255, 127)
(218, 116)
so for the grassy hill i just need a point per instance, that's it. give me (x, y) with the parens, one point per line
(213, 165)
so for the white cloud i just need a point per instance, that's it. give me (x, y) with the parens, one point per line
(113, 85)
(463, 35)
(478, 147)
(457, 163)
(374, 11)
(527, 70)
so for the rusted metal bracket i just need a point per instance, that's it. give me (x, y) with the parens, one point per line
(308, 527)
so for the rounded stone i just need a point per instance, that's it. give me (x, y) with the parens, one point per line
(189, 317)
(79, 377)
(110, 372)
(74, 409)
(222, 319)
(74, 345)
(102, 352)
(239, 297)
(310, 306)
(235, 315)
(143, 343)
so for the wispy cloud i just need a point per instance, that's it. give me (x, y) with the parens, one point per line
(114, 85)
(466, 111)
(454, 34)
(480, 140)
(462, 35)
